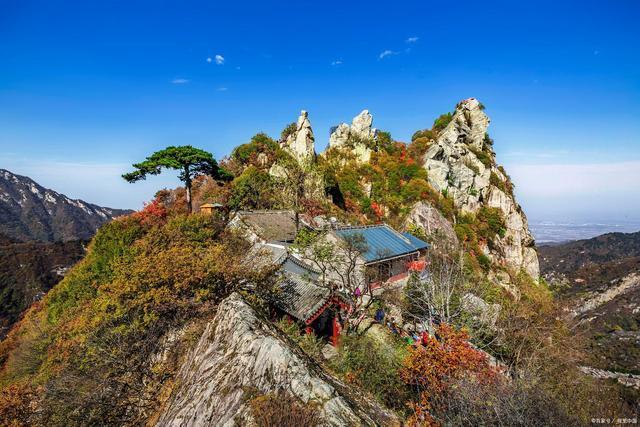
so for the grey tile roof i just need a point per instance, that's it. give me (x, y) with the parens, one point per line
(279, 226)
(300, 296)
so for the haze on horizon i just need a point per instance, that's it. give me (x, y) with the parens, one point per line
(86, 89)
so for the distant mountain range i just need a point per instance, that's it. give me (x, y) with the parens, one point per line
(31, 212)
(549, 233)
(599, 279)
(42, 234)
(571, 257)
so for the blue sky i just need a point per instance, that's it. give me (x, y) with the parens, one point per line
(86, 89)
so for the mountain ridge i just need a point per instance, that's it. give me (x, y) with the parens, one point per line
(29, 211)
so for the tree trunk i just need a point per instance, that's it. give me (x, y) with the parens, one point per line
(189, 206)
(187, 185)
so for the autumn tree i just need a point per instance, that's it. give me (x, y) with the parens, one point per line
(190, 161)
(433, 298)
(433, 367)
(341, 268)
(292, 178)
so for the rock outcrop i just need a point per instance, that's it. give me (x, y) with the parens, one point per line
(436, 227)
(461, 163)
(240, 355)
(300, 143)
(355, 136)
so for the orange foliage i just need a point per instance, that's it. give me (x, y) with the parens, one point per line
(153, 213)
(434, 366)
(16, 403)
(377, 210)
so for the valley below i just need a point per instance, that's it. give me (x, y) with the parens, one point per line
(598, 280)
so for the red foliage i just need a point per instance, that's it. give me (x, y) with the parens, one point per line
(153, 213)
(432, 367)
(377, 210)
(313, 207)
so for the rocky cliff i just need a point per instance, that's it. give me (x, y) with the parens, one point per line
(240, 355)
(461, 163)
(29, 211)
(300, 143)
(355, 137)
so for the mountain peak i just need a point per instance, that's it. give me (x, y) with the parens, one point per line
(461, 163)
(29, 211)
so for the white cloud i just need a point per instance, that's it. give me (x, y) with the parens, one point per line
(222, 89)
(336, 62)
(209, 60)
(412, 39)
(180, 81)
(386, 53)
(219, 59)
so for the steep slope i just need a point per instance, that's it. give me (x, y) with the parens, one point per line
(29, 211)
(240, 355)
(461, 164)
(599, 280)
(28, 270)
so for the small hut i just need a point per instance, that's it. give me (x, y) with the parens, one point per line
(211, 208)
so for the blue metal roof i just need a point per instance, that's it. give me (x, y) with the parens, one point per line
(419, 244)
(384, 242)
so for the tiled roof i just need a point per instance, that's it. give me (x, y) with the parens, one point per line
(300, 296)
(383, 241)
(279, 226)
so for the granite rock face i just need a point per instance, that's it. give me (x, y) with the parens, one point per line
(239, 355)
(461, 163)
(434, 224)
(301, 142)
(355, 136)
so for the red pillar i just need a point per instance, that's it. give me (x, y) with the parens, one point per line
(336, 331)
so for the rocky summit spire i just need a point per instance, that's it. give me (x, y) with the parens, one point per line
(360, 131)
(300, 143)
(461, 164)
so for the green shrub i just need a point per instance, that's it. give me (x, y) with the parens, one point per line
(495, 180)
(488, 141)
(484, 261)
(468, 163)
(309, 343)
(260, 143)
(417, 231)
(425, 133)
(441, 122)
(494, 221)
(253, 189)
(290, 129)
(419, 147)
(373, 364)
(482, 155)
